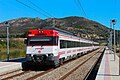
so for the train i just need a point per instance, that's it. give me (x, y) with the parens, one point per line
(53, 46)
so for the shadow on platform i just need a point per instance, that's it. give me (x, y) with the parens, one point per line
(16, 60)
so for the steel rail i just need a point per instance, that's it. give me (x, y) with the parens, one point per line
(10, 77)
(66, 75)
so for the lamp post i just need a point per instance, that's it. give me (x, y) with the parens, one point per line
(114, 22)
(7, 25)
(119, 57)
(110, 36)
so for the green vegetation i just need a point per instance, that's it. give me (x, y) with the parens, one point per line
(17, 49)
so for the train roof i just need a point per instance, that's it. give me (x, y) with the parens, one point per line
(63, 33)
(60, 31)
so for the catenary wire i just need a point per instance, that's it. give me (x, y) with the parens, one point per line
(31, 8)
(40, 8)
(79, 5)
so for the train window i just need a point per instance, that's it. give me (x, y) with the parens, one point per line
(76, 44)
(68, 44)
(63, 44)
(72, 44)
(45, 40)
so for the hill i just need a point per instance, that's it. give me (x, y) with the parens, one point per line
(78, 25)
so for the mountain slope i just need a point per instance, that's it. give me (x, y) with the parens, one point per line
(80, 26)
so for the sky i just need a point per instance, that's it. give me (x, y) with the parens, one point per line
(102, 11)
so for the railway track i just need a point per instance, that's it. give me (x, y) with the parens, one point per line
(10, 72)
(16, 75)
(66, 71)
(22, 75)
(60, 73)
(70, 72)
(38, 75)
(5, 75)
(81, 66)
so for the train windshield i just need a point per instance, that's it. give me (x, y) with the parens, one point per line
(42, 41)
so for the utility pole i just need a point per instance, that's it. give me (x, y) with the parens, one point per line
(119, 56)
(110, 36)
(53, 22)
(114, 22)
(117, 39)
(7, 25)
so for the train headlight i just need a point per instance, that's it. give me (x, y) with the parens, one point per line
(28, 56)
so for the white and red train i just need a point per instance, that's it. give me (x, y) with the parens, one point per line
(54, 46)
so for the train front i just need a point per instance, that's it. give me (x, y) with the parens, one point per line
(42, 47)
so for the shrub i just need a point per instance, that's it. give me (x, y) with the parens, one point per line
(1, 46)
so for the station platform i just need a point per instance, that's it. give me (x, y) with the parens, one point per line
(109, 68)
(6, 67)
